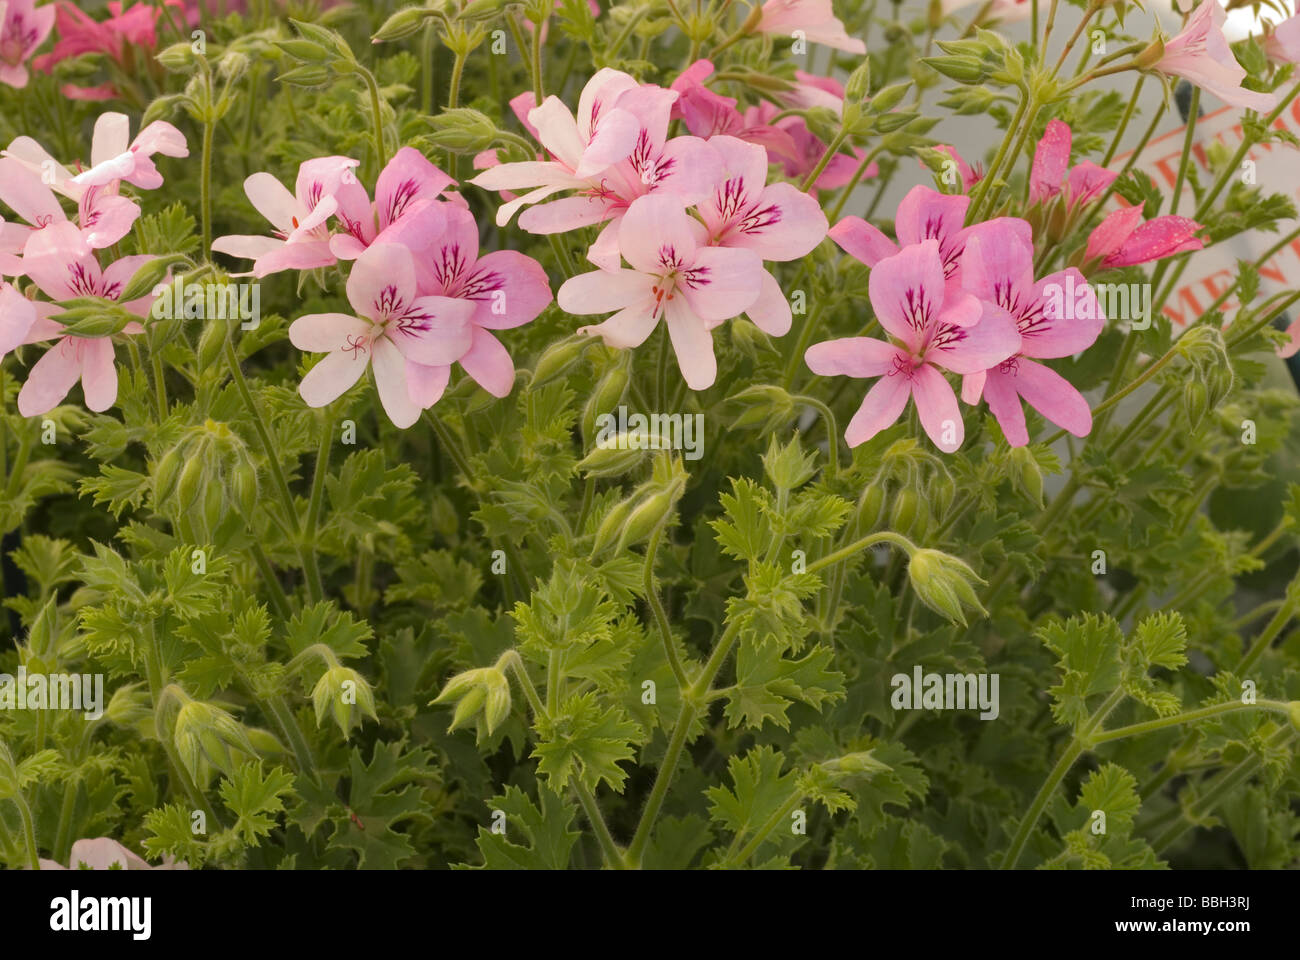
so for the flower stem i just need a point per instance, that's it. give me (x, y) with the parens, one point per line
(657, 608)
(1191, 716)
(264, 436)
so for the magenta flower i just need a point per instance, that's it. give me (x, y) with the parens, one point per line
(302, 236)
(63, 266)
(1201, 55)
(934, 327)
(614, 152)
(1051, 172)
(924, 214)
(1122, 239)
(1057, 316)
(505, 288)
(406, 208)
(777, 222)
(815, 19)
(674, 277)
(708, 114)
(23, 28)
(393, 325)
(79, 33)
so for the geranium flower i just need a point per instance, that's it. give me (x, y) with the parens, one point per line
(1122, 239)
(17, 316)
(1284, 42)
(1057, 316)
(814, 18)
(79, 33)
(707, 114)
(1051, 172)
(969, 175)
(776, 221)
(615, 151)
(1006, 11)
(674, 277)
(23, 28)
(934, 327)
(506, 289)
(1201, 55)
(393, 324)
(63, 266)
(924, 214)
(302, 236)
(102, 853)
(103, 215)
(406, 208)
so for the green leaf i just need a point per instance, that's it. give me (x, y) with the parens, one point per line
(256, 799)
(585, 742)
(546, 831)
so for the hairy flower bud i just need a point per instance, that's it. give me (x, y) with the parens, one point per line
(944, 584)
(344, 694)
(557, 360)
(205, 732)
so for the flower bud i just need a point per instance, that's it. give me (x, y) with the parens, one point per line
(961, 68)
(166, 473)
(903, 513)
(1026, 475)
(944, 584)
(870, 505)
(858, 85)
(610, 459)
(243, 486)
(202, 732)
(212, 341)
(1196, 403)
(643, 519)
(345, 694)
(611, 526)
(308, 75)
(177, 57)
(496, 707)
(462, 130)
(557, 360)
(404, 23)
(187, 490)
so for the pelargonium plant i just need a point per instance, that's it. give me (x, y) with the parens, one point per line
(631, 435)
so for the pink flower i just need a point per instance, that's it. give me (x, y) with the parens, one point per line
(103, 215)
(105, 854)
(809, 150)
(505, 288)
(1201, 55)
(23, 28)
(1048, 176)
(105, 91)
(1057, 316)
(814, 18)
(969, 175)
(1122, 239)
(394, 324)
(674, 276)
(708, 114)
(302, 236)
(64, 267)
(1005, 11)
(934, 326)
(1284, 42)
(406, 208)
(614, 152)
(924, 214)
(17, 316)
(777, 222)
(79, 33)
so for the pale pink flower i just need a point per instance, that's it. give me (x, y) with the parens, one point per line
(302, 234)
(406, 208)
(674, 277)
(28, 196)
(924, 214)
(102, 853)
(17, 317)
(1284, 42)
(815, 19)
(23, 28)
(1057, 316)
(1051, 173)
(615, 151)
(1005, 11)
(1122, 239)
(64, 267)
(506, 288)
(393, 325)
(777, 222)
(1201, 55)
(934, 326)
(104, 216)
